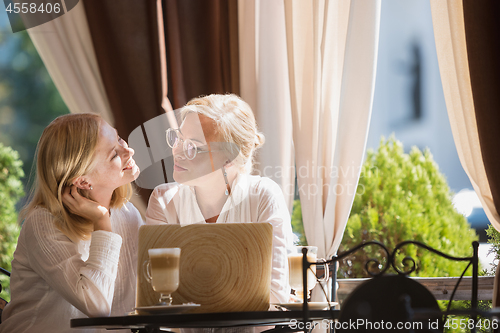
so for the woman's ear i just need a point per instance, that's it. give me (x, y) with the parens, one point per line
(81, 183)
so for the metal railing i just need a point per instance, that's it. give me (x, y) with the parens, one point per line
(408, 262)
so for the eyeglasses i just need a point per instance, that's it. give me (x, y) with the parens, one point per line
(190, 149)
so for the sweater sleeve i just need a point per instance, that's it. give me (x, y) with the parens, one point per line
(87, 285)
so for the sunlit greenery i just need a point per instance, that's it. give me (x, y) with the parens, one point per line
(405, 197)
(494, 240)
(402, 197)
(11, 189)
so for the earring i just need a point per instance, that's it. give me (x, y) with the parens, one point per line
(90, 186)
(225, 179)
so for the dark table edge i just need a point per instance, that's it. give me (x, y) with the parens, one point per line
(197, 320)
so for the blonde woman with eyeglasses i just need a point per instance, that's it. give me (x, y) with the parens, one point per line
(213, 151)
(77, 250)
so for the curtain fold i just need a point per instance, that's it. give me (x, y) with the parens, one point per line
(65, 46)
(449, 34)
(130, 51)
(482, 33)
(202, 48)
(468, 51)
(307, 68)
(265, 86)
(332, 55)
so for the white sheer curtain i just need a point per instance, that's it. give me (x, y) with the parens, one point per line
(66, 48)
(449, 33)
(264, 84)
(308, 68)
(451, 46)
(332, 56)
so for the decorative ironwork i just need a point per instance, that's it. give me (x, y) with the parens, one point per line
(370, 262)
(407, 262)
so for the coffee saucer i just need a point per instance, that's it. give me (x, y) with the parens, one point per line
(162, 309)
(298, 305)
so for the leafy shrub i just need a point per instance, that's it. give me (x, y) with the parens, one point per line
(483, 305)
(494, 240)
(11, 189)
(404, 197)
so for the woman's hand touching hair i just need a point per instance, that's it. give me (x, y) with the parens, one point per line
(89, 209)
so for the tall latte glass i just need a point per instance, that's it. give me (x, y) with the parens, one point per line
(162, 271)
(295, 270)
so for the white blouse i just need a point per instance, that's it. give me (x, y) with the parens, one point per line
(252, 199)
(55, 279)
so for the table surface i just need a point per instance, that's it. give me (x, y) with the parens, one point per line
(199, 320)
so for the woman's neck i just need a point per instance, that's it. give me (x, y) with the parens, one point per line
(102, 197)
(211, 196)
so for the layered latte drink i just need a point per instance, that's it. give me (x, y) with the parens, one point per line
(164, 269)
(295, 271)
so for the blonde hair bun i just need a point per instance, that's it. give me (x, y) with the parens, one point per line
(260, 139)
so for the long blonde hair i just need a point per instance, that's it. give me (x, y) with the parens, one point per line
(234, 123)
(64, 152)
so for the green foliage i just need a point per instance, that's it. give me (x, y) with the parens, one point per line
(494, 240)
(483, 305)
(297, 225)
(11, 189)
(404, 197)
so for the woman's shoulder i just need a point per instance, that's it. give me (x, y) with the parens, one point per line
(39, 221)
(166, 190)
(269, 198)
(263, 185)
(39, 215)
(264, 190)
(167, 187)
